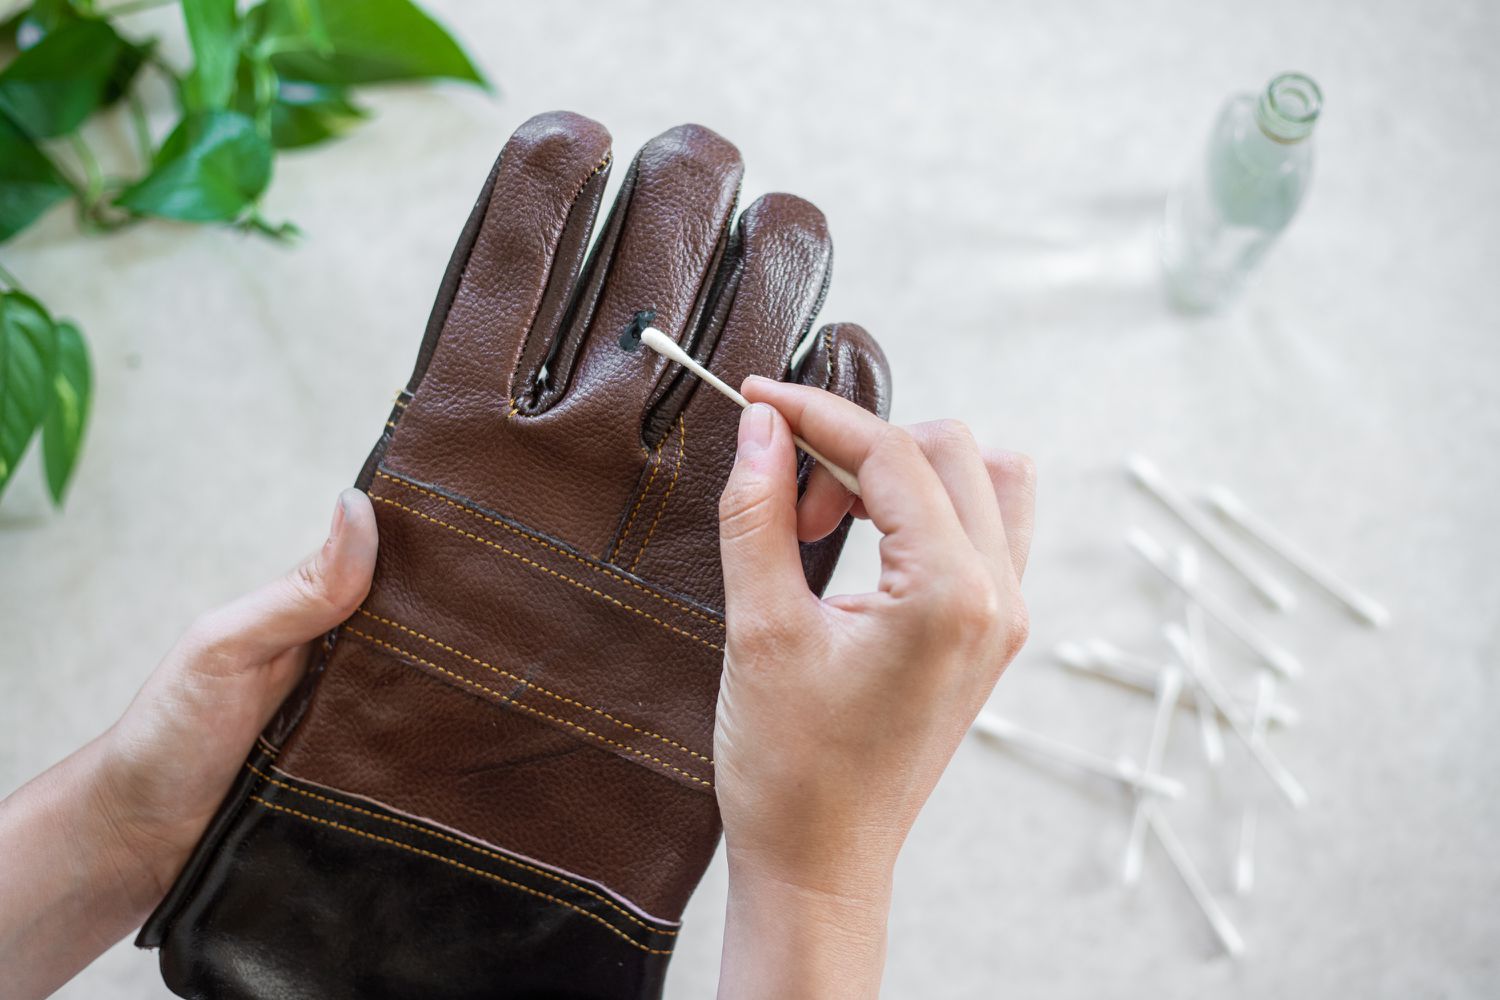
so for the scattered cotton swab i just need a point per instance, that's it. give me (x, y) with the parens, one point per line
(1169, 686)
(1155, 555)
(1238, 723)
(1149, 478)
(1228, 936)
(1232, 509)
(1122, 769)
(1208, 717)
(1103, 660)
(1244, 855)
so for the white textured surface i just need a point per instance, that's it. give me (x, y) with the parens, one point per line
(992, 174)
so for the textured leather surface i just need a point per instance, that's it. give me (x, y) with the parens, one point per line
(497, 779)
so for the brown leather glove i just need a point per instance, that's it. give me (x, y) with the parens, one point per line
(497, 779)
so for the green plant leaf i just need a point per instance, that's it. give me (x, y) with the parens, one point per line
(50, 88)
(305, 114)
(28, 353)
(212, 168)
(29, 183)
(68, 409)
(213, 30)
(289, 24)
(374, 41)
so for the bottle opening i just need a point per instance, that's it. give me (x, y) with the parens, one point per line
(1289, 107)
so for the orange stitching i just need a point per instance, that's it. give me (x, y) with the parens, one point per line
(459, 864)
(549, 570)
(547, 545)
(676, 470)
(532, 684)
(524, 707)
(464, 843)
(637, 507)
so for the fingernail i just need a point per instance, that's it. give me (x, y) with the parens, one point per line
(338, 516)
(755, 428)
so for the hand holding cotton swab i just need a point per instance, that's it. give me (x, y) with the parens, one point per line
(667, 348)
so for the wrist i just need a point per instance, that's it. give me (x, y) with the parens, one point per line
(146, 856)
(786, 937)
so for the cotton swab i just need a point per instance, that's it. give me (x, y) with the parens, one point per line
(667, 348)
(1106, 661)
(1244, 857)
(1289, 786)
(1225, 931)
(1208, 717)
(1169, 686)
(1232, 509)
(1149, 478)
(1122, 770)
(1151, 550)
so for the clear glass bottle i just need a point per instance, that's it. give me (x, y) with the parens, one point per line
(1222, 218)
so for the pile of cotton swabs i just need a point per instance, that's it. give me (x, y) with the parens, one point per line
(1188, 679)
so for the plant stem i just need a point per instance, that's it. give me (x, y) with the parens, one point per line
(134, 7)
(94, 175)
(142, 129)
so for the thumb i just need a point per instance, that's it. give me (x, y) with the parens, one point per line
(313, 597)
(763, 575)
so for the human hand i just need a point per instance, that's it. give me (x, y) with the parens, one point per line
(836, 717)
(182, 741)
(93, 843)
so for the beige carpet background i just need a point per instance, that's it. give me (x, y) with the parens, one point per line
(993, 174)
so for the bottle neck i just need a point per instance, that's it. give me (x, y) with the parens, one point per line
(1288, 108)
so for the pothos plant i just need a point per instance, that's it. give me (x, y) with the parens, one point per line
(279, 75)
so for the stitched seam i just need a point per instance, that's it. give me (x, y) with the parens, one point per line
(548, 545)
(526, 708)
(463, 867)
(532, 684)
(549, 570)
(515, 404)
(635, 509)
(465, 844)
(676, 470)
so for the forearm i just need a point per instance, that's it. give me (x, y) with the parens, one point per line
(68, 886)
(783, 940)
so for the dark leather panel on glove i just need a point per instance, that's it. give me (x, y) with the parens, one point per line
(497, 779)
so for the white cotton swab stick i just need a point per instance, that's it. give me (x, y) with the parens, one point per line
(1244, 856)
(1104, 660)
(1232, 509)
(1291, 789)
(1149, 478)
(667, 348)
(1121, 770)
(1208, 716)
(1151, 550)
(1169, 686)
(1225, 931)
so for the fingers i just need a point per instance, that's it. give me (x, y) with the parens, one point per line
(845, 360)
(902, 494)
(758, 523)
(1013, 478)
(955, 456)
(823, 505)
(311, 599)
